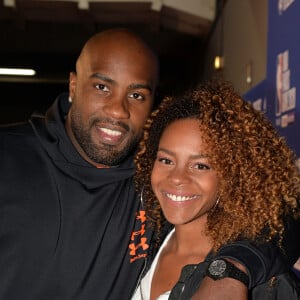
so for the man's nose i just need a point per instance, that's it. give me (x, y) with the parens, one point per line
(117, 107)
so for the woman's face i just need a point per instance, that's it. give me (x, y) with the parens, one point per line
(182, 177)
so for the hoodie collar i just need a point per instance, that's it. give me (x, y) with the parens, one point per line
(50, 131)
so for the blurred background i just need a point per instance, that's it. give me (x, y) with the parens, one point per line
(187, 35)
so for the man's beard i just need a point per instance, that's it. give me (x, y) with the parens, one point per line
(101, 154)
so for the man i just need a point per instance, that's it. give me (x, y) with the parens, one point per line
(68, 205)
(71, 226)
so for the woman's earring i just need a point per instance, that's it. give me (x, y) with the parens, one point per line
(70, 99)
(142, 200)
(216, 204)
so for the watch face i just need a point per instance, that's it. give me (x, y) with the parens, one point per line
(217, 267)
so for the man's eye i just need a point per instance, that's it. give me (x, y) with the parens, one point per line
(102, 87)
(136, 96)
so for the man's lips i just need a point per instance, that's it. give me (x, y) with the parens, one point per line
(109, 135)
(110, 131)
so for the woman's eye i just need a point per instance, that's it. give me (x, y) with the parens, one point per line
(200, 166)
(164, 160)
(102, 87)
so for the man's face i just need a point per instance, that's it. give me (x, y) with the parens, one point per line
(112, 95)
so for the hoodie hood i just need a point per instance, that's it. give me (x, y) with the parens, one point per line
(50, 131)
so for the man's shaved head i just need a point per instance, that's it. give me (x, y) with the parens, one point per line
(121, 39)
(112, 94)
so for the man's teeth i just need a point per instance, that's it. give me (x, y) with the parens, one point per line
(111, 132)
(179, 198)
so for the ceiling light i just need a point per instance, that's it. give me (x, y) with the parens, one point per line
(17, 72)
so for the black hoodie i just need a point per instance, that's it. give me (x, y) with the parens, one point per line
(68, 230)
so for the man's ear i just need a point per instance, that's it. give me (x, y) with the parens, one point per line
(72, 84)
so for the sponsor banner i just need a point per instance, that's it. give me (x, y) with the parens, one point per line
(283, 69)
(278, 96)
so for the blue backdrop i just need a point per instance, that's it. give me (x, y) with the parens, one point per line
(277, 94)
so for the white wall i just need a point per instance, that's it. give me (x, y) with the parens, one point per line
(201, 8)
(244, 42)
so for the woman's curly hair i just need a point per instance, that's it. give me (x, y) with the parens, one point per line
(259, 180)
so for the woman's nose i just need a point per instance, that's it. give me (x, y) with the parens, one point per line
(179, 175)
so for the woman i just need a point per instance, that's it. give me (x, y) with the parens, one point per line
(216, 169)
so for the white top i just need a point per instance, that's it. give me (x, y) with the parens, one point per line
(143, 290)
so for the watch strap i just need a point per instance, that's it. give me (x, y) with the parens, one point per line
(236, 273)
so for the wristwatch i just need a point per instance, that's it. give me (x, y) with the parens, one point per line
(221, 268)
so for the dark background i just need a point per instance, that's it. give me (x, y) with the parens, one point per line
(48, 36)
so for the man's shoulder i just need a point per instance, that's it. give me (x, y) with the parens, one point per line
(16, 133)
(15, 128)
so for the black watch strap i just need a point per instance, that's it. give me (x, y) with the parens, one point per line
(221, 268)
